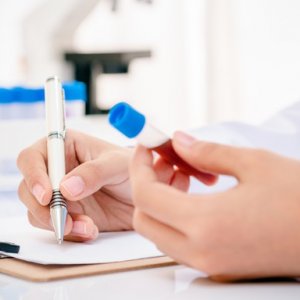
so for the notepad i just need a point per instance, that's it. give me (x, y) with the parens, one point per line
(40, 246)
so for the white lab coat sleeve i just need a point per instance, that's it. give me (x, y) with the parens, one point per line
(280, 134)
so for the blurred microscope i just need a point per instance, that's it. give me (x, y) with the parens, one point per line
(49, 46)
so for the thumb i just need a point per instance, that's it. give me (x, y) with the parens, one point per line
(210, 157)
(109, 169)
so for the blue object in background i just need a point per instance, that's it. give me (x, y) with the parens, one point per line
(6, 95)
(22, 102)
(75, 96)
(75, 90)
(27, 95)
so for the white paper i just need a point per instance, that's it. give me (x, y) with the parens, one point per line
(40, 246)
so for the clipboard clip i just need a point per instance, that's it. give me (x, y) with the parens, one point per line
(8, 248)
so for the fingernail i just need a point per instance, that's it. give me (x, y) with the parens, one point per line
(79, 227)
(184, 139)
(39, 192)
(74, 185)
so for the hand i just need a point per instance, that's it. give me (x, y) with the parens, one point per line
(96, 186)
(251, 230)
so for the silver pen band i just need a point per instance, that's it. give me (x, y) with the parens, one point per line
(57, 135)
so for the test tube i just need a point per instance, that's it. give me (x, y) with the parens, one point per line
(133, 124)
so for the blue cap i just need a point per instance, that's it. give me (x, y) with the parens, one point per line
(6, 95)
(27, 95)
(74, 90)
(126, 119)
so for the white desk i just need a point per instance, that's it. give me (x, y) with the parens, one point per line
(163, 283)
(175, 282)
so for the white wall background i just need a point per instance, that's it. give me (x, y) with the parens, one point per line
(253, 58)
(213, 60)
(12, 13)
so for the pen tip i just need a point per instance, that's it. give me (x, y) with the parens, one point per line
(58, 216)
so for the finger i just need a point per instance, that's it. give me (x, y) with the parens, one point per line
(83, 229)
(41, 213)
(109, 169)
(211, 157)
(32, 161)
(38, 215)
(166, 174)
(79, 228)
(32, 164)
(180, 181)
(164, 171)
(158, 200)
(167, 239)
(81, 147)
(36, 222)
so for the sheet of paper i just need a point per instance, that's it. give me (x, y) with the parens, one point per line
(40, 246)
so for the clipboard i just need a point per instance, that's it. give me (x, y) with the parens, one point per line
(41, 273)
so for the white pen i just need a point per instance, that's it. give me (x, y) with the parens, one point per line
(55, 117)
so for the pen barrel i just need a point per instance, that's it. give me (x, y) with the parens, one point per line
(56, 160)
(55, 115)
(56, 169)
(55, 107)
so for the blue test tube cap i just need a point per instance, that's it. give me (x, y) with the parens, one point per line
(126, 119)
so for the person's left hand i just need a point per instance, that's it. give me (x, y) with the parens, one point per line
(251, 230)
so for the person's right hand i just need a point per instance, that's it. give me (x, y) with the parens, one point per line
(96, 186)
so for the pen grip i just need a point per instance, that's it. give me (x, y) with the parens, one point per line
(56, 161)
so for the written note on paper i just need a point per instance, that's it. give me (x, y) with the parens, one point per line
(40, 246)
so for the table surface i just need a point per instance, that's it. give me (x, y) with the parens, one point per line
(176, 282)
